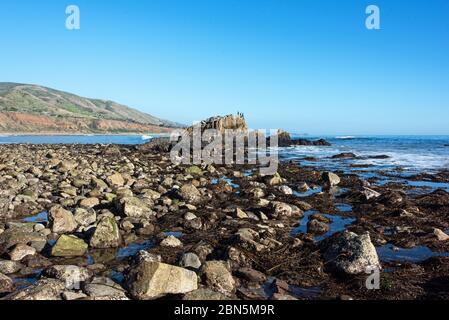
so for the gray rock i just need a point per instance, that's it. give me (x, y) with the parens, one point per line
(85, 217)
(217, 277)
(44, 289)
(6, 284)
(190, 260)
(135, 207)
(330, 179)
(106, 235)
(350, 253)
(204, 295)
(20, 251)
(190, 193)
(104, 289)
(151, 280)
(69, 246)
(171, 241)
(71, 275)
(61, 220)
(10, 267)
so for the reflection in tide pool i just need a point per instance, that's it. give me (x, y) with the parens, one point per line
(338, 224)
(390, 253)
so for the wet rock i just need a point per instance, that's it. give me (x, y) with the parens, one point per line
(344, 155)
(190, 260)
(216, 276)
(20, 251)
(69, 246)
(151, 280)
(330, 179)
(104, 289)
(85, 217)
(10, 267)
(11, 237)
(6, 284)
(61, 220)
(317, 227)
(44, 289)
(71, 275)
(303, 187)
(190, 193)
(171, 242)
(350, 253)
(106, 235)
(135, 207)
(441, 236)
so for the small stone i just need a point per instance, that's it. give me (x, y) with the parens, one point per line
(441, 236)
(190, 260)
(286, 190)
(190, 194)
(190, 216)
(72, 275)
(171, 241)
(20, 251)
(317, 227)
(241, 214)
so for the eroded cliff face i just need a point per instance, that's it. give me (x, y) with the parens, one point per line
(16, 122)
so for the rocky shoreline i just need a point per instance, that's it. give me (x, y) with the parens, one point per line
(108, 222)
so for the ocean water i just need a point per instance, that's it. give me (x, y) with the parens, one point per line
(410, 154)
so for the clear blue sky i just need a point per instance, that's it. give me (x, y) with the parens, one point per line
(303, 65)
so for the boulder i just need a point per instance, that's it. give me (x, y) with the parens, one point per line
(44, 289)
(69, 246)
(20, 251)
(135, 207)
(61, 220)
(106, 235)
(350, 253)
(151, 280)
(217, 277)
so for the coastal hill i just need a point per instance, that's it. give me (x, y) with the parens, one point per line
(36, 109)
